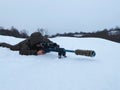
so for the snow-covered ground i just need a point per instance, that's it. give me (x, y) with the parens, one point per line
(47, 72)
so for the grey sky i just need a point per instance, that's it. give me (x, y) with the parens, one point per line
(60, 15)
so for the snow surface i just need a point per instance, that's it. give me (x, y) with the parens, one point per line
(47, 72)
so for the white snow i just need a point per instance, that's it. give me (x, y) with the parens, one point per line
(47, 72)
(113, 32)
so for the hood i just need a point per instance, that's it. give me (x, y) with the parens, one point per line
(35, 38)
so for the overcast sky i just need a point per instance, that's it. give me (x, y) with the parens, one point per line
(60, 15)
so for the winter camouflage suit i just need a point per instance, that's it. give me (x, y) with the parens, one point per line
(29, 46)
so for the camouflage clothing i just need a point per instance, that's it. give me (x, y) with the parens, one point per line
(28, 46)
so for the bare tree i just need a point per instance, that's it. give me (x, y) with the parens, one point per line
(42, 31)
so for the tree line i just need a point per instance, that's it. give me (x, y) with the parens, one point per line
(14, 32)
(112, 34)
(109, 34)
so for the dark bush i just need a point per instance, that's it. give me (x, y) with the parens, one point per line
(13, 32)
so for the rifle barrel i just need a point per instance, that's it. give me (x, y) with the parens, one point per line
(72, 51)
